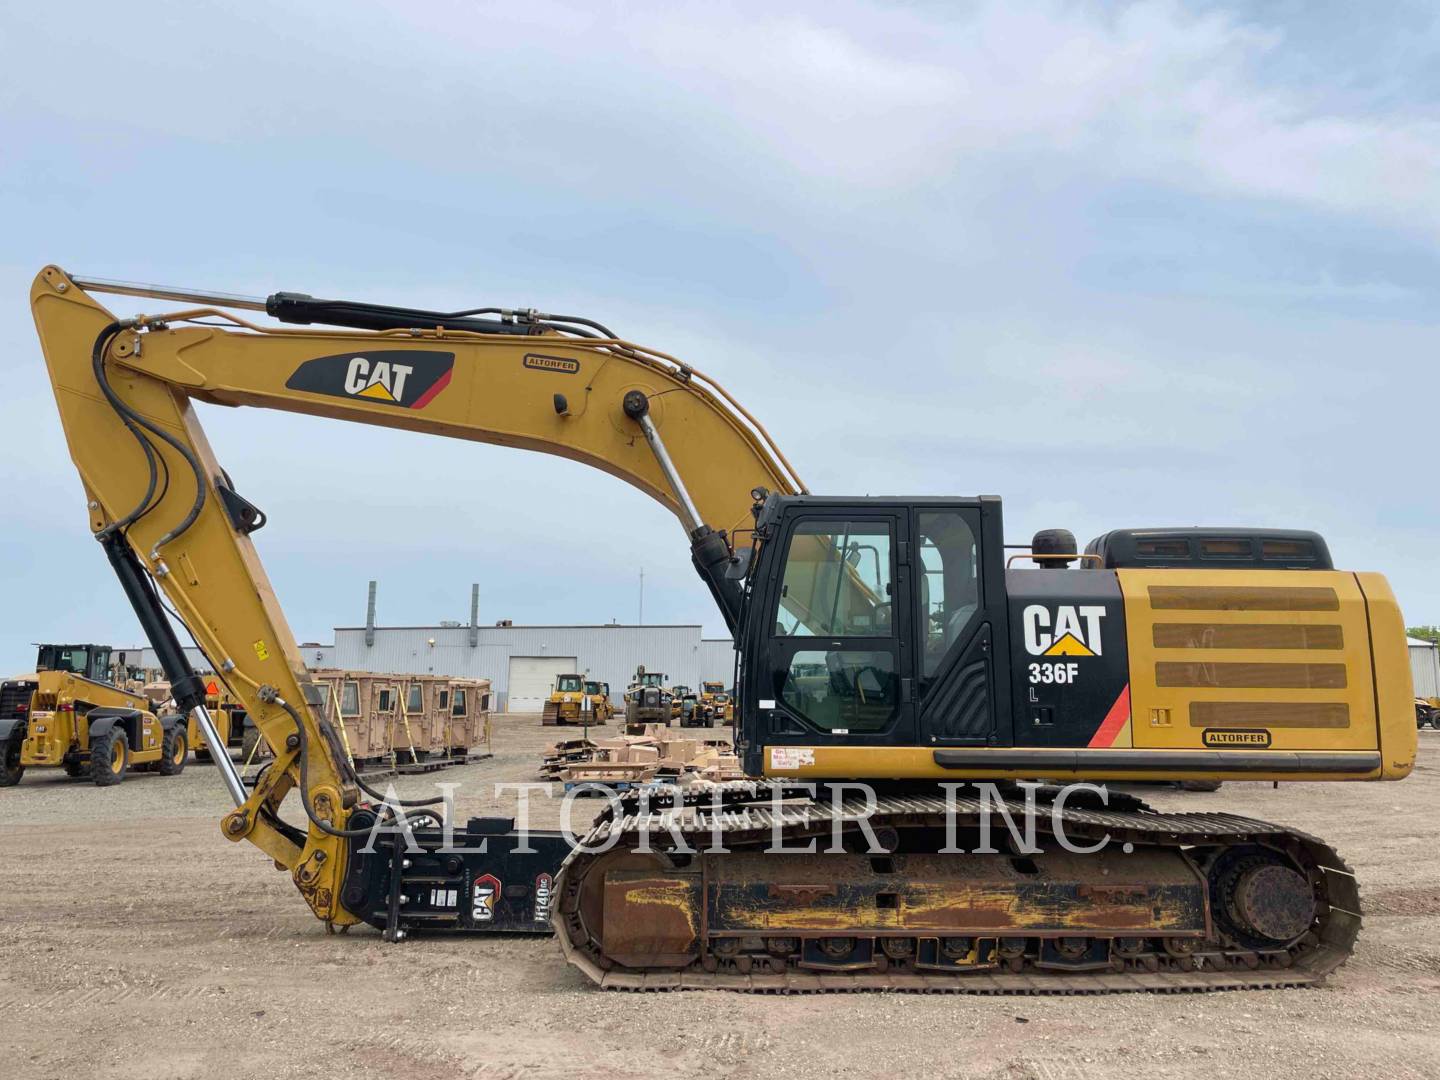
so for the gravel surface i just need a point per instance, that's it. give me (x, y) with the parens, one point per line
(139, 943)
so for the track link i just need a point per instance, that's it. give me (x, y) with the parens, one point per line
(1101, 959)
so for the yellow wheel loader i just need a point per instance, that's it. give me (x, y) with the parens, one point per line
(68, 715)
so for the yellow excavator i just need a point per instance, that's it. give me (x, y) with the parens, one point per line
(881, 640)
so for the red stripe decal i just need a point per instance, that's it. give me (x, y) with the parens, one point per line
(1114, 720)
(429, 395)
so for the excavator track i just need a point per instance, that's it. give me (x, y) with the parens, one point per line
(1171, 903)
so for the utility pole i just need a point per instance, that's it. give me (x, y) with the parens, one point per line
(641, 620)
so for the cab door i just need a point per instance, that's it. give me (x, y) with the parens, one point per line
(836, 667)
(961, 641)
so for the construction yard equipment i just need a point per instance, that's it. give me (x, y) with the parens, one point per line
(715, 703)
(678, 694)
(883, 640)
(647, 701)
(567, 701)
(68, 715)
(228, 713)
(599, 694)
(1426, 713)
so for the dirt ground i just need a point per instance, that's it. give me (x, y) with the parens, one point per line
(136, 942)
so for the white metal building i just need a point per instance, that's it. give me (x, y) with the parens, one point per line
(521, 662)
(1425, 666)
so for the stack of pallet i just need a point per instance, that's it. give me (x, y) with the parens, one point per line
(625, 761)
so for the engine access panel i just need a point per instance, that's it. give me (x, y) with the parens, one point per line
(1070, 668)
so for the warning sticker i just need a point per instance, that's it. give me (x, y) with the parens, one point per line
(791, 757)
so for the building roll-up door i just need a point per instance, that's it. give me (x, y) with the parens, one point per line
(531, 678)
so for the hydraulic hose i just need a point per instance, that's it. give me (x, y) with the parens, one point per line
(131, 419)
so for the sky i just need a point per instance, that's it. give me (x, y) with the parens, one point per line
(1129, 264)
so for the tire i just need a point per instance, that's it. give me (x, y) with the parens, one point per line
(109, 758)
(173, 752)
(10, 768)
(1200, 785)
(248, 748)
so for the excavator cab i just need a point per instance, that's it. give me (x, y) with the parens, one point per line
(873, 623)
(891, 639)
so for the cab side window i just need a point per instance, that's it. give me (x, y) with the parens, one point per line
(949, 585)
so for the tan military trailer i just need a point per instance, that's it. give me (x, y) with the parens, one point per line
(468, 723)
(393, 722)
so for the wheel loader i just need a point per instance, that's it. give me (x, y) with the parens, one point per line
(68, 715)
(647, 701)
(905, 692)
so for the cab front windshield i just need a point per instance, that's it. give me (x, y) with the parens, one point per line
(570, 684)
(592, 688)
(652, 678)
(63, 658)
